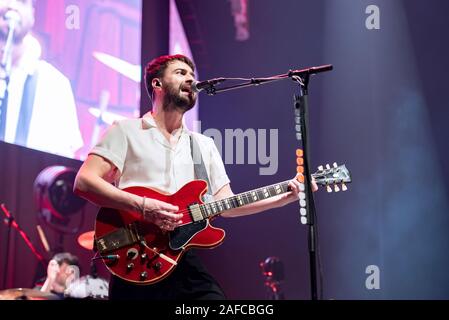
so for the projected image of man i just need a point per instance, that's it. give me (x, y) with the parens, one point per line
(37, 104)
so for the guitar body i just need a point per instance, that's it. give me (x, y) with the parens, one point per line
(139, 251)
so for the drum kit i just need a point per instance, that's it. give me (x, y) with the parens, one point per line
(88, 287)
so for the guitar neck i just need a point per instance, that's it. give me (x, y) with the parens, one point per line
(219, 206)
(324, 177)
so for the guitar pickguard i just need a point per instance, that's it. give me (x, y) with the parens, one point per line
(179, 237)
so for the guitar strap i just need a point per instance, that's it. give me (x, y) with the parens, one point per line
(199, 167)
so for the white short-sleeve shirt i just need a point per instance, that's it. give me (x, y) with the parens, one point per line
(146, 158)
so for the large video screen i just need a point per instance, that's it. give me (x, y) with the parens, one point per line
(69, 69)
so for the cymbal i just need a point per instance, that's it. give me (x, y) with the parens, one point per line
(107, 116)
(86, 240)
(129, 70)
(26, 294)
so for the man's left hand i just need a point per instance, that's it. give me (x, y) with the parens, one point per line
(296, 188)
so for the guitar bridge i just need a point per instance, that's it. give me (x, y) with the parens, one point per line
(119, 238)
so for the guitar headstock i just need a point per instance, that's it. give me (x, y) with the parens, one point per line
(335, 175)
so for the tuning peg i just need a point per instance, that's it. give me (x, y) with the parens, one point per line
(336, 188)
(328, 189)
(344, 187)
(328, 166)
(335, 165)
(320, 168)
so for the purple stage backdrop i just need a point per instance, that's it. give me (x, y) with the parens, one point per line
(382, 111)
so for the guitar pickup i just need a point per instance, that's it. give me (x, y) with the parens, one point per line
(195, 212)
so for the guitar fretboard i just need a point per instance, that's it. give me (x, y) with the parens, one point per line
(216, 207)
(323, 177)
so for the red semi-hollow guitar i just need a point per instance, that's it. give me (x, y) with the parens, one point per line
(138, 251)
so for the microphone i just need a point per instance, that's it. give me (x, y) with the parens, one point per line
(311, 71)
(12, 16)
(198, 86)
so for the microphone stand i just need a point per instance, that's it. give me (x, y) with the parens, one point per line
(5, 69)
(307, 216)
(93, 269)
(8, 221)
(212, 90)
(12, 223)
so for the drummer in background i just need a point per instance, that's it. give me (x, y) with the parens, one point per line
(62, 270)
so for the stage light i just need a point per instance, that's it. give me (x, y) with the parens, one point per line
(54, 197)
(273, 270)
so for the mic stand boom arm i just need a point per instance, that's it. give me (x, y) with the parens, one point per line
(211, 90)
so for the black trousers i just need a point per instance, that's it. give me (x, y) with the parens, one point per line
(189, 281)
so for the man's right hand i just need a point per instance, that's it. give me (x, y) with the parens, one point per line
(52, 273)
(52, 270)
(162, 214)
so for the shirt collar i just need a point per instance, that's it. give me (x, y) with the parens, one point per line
(149, 122)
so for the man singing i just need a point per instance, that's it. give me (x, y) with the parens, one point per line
(155, 152)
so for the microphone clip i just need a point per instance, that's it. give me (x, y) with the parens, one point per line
(207, 85)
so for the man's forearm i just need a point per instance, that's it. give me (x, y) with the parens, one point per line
(104, 194)
(46, 287)
(51, 285)
(256, 207)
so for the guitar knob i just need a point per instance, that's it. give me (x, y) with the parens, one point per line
(335, 165)
(143, 275)
(336, 188)
(328, 166)
(131, 254)
(344, 187)
(143, 257)
(157, 266)
(328, 189)
(320, 168)
(129, 266)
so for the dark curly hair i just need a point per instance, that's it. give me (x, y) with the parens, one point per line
(66, 257)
